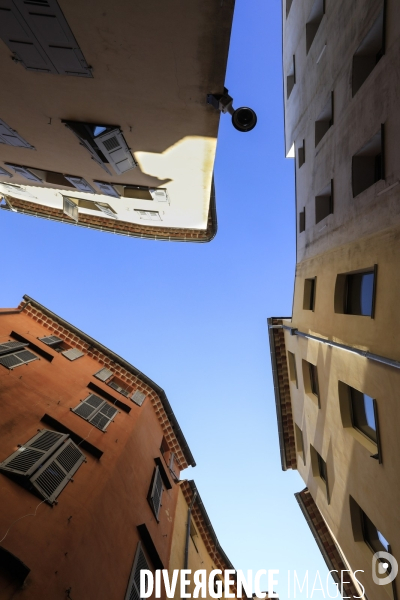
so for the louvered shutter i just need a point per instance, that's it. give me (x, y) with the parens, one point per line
(3, 172)
(49, 27)
(11, 137)
(139, 563)
(24, 172)
(51, 340)
(118, 388)
(138, 398)
(106, 211)
(148, 215)
(107, 189)
(17, 359)
(80, 184)
(103, 374)
(97, 411)
(159, 195)
(72, 353)
(156, 492)
(28, 458)
(53, 476)
(113, 146)
(88, 407)
(70, 209)
(17, 35)
(8, 347)
(104, 416)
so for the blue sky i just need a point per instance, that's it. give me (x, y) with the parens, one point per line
(193, 316)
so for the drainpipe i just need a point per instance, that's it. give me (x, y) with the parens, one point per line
(15, 311)
(364, 353)
(185, 563)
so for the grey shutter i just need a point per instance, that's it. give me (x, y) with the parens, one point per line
(97, 411)
(51, 340)
(70, 209)
(31, 455)
(49, 27)
(156, 492)
(88, 407)
(80, 184)
(72, 354)
(159, 195)
(3, 171)
(8, 347)
(118, 388)
(107, 189)
(11, 137)
(104, 416)
(138, 398)
(139, 563)
(113, 146)
(106, 211)
(17, 359)
(23, 171)
(103, 374)
(53, 476)
(17, 35)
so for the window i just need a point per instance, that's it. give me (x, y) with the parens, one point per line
(97, 411)
(23, 171)
(310, 379)
(301, 154)
(320, 471)
(106, 145)
(363, 412)
(138, 397)
(368, 164)
(324, 203)
(47, 462)
(159, 194)
(14, 354)
(373, 537)
(139, 563)
(288, 6)
(291, 78)
(324, 121)
(4, 173)
(369, 52)
(71, 205)
(355, 292)
(292, 368)
(299, 442)
(309, 293)
(156, 490)
(314, 21)
(148, 215)
(120, 386)
(107, 189)
(70, 209)
(60, 346)
(40, 38)
(80, 184)
(302, 220)
(313, 379)
(117, 387)
(103, 374)
(11, 137)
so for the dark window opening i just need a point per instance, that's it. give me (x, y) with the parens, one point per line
(309, 294)
(291, 78)
(314, 21)
(368, 165)
(324, 121)
(288, 6)
(302, 220)
(299, 442)
(360, 294)
(373, 537)
(324, 203)
(313, 379)
(369, 52)
(323, 473)
(301, 153)
(363, 412)
(155, 492)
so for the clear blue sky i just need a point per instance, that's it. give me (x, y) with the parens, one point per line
(193, 316)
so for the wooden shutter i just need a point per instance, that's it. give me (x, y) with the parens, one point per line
(72, 353)
(80, 184)
(8, 347)
(139, 563)
(156, 492)
(112, 144)
(31, 455)
(53, 476)
(97, 411)
(106, 210)
(10, 137)
(51, 340)
(17, 359)
(70, 209)
(3, 172)
(103, 374)
(23, 171)
(138, 398)
(107, 189)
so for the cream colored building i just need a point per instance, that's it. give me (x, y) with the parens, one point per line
(104, 120)
(336, 360)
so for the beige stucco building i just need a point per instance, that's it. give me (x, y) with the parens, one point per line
(336, 360)
(104, 120)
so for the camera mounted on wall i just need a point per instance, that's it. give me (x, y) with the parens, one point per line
(243, 118)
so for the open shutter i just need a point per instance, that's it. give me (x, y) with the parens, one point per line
(107, 189)
(104, 416)
(72, 353)
(103, 374)
(17, 359)
(12, 347)
(139, 563)
(156, 492)
(53, 476)
(88, 407)
(118, 388)
(70, 209)
(24, 172)
(18, 36)
(51, 340)
(159, 195)
(138, 398)
(113, 146)
(28, 458)
(11, 137)
(48, 25)
(3, 172)
(106, 210)
(80, 184)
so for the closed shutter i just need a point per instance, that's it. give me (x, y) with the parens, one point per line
(46, 24)
(107, 189)
(88, 407)
(113, 146)
(156, 492)
(80, 184)
(19, 358)
(106, 210)
(17, 35)
(159, 195)
(138, 398)
(3, 172)
(139, 563)
(8, 347)
(72, 354)
(96, 411)
(31, 455)
(23, 171)
(53, 476)
(104, 416)
(148, 215)
(11, 137)
(70, 209)
(51, 340)
(103, 374)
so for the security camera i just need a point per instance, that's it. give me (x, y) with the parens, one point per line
(243, 119)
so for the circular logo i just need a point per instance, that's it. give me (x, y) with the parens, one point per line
(384, 568)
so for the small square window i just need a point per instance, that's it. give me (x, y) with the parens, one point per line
(302, 220)
(368, 165)
(148, 215)
(363, 414)
(324, 203)
(359, 294)
(310, 286)
(314, 21)
(369, 53)
(324, 121)
(373, 537)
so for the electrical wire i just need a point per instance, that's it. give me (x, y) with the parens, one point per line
(16, 520)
